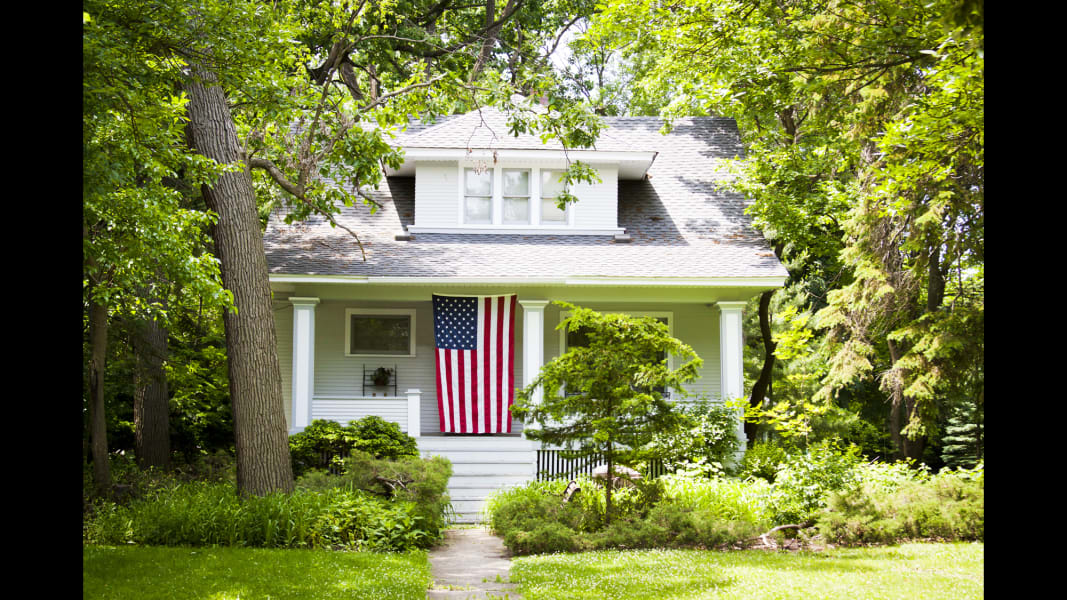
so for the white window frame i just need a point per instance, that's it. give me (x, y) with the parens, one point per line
(567, 218)
(382, 312)
(529, 195)
(637, 313)
(497, 201)
(494, 185)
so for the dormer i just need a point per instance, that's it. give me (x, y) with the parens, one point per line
(470, 179)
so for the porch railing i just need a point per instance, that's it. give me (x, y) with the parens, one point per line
(552, 465)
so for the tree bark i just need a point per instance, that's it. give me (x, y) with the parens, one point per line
(255, 377)
(97, 418)
(759, 389)
(151, 402)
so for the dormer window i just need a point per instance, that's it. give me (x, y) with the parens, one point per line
(477, 196)
(516, 190)
(551, 186)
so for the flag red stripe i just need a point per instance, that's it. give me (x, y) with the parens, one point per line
(511, 366)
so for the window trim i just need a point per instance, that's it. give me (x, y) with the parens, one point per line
(566, 222)
(382, 312)
(464, 195)
(496, 223)
(529, 197)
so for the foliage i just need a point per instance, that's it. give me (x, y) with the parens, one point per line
(603, 398)
(324, 438)
(158, 573)
(947, 506)
(804, 481)
(707, 443)
(206, 514)
(422, 482)
(762, 460)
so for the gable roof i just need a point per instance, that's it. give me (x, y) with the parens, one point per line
(682, 225)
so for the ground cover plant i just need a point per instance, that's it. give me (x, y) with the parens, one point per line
(151, 573)
(824, 494)
(376, 504)
(913, 570)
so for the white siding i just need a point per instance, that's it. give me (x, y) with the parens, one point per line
(438, 199)
(436, 194)
(597, 204)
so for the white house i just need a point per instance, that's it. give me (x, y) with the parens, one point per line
(467, 215)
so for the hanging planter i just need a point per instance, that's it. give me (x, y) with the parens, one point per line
(381, 376)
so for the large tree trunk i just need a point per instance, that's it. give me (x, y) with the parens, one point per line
(759, 389)
(151, 404)
(255, 378)
(97, 420)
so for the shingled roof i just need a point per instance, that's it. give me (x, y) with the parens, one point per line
(681, 223)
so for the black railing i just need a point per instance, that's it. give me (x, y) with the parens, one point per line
(552, 465)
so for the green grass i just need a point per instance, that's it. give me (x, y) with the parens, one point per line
(150, 573)
(907, 571)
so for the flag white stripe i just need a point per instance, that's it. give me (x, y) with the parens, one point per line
(494, 324)
(444, 402)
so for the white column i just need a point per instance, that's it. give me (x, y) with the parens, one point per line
(414, 413)
(303, 361)
(533, 342)
(731, 347)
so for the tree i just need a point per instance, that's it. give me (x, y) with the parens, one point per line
(311, 119)
(605, 398)
(863, 124)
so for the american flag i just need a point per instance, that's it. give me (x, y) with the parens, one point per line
(474, 342)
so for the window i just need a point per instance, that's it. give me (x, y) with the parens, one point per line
(380, 332)
(551, 186)
(516, 189)
(478, 196)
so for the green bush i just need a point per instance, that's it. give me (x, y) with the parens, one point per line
(210, 514)
(805, 481)
(763, 459)
(948, 506)
(371, 434)
(420, 481)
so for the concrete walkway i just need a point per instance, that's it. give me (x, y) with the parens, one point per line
(471, 564)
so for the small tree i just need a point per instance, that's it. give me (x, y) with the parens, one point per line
(607, 397)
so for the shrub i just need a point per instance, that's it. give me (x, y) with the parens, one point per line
(371, 434)
(949, 506)
(206, 514)
(708, 442)
(763, 460)
(727, 499)
(422, 482)
(804, 482)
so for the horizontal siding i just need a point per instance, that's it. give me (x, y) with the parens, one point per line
(436, 194)
(340, 375)
(597, 204)
(353, 409)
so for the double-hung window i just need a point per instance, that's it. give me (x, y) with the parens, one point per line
(515, 184)
(551, 186)
(380, 332)
(478, 196)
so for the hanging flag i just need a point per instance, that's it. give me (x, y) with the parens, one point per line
(474, 342)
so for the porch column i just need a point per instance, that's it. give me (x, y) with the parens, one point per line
(303, 361)
(533, 342)
(731, 347)
(414, 413)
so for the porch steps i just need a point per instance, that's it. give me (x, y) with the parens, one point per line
(480, 466)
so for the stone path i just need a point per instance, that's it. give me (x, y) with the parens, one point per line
(471, 564)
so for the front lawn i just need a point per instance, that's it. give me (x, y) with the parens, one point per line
(150, 573)
(907, 571)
